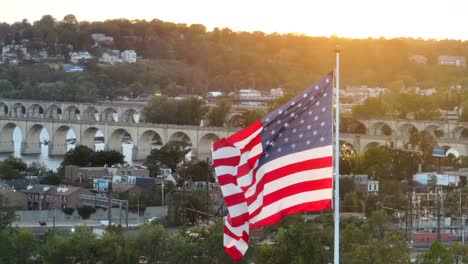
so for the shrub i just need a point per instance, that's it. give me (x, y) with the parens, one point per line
(68, 211)
(86, 211)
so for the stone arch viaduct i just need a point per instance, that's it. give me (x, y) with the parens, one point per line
(113, 119)
(117, 119)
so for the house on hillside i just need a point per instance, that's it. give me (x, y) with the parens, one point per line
(458, 61)
(100, 38)
(420, 59)
(76, 57)
(44, 197)
(111, 57)
(129, 56)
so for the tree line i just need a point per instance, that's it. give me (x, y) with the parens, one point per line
(183, 58)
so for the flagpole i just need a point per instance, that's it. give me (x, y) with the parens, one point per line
(336, 253)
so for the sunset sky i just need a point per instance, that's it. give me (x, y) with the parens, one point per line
(346, 18)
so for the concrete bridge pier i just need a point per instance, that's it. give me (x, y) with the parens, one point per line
(140, 153)
(57, 149)
(7, 147)
(30, 148)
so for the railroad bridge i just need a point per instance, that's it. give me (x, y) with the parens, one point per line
(118, 119)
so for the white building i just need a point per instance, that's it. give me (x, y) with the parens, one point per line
(102, 38)
(75, 57)
(458, 61)
(111, 57)
(278, 92)
(129, 56)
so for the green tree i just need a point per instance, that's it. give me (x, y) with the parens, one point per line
(218, 114)
(251, 116)
(109, 157)
(7, 214)
(151, 242)
(170, 155)
(199, 171)
(376, 162)
(437, 253)
(79, 156)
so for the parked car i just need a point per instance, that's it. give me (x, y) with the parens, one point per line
(42, 223)
(153, 219)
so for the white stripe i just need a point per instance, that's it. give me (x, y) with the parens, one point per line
(241, 144)
(288, 160)
(230, 189)
(290, 201)
(225, 152)
(303, 176)
(238, 209)
(239, 229)
(225, 170)
(240, 244)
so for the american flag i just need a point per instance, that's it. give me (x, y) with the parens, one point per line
(279, 165)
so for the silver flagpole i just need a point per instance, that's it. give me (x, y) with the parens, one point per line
(336, 253)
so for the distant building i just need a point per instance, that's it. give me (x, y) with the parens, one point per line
(129, 56)
(15, 199)
(44, 197)
(76, 57)
(75, 174)
(364, 185)
(277, 92)
(111, 57)
(361, 93)
(458, 61)
(102, 38)
(43, 54)
(418, 58)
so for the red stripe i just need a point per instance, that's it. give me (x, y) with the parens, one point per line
(235, 254)
(231, 161)
(238, 220)
(234, 199)
(221, 144)
(297, 188)
(244, 236)
(245, 168)
(246, 132)
(226, 179)
(304, 207)
(288, 170)
(292, 190)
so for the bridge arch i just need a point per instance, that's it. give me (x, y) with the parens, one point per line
(110, 115)
(128, 116)
(354, 126)
(382, 129)
(72, 113)
(372, 145)
(88, 135)
(6, 138)
(115, 139)
(459, 132)
(54, 112)
(235, 120)
(406, 130)
(435, 130)
(19, 110)
(204, 146)
(149, 138)
(4, 111)
(91, 114)
(36, 111)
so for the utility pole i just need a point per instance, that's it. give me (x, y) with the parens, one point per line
(109, 202)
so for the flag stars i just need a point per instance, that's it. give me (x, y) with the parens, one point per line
(293, 146)
(286, 124)
(280, 112)
(304, 95)
(317, 103)
(317, 87)
(272, 132)
(278, 122)
(279, 150)
(323, 109)
(301, 135)
(310, 112)
(325, 94)
(327, 80)
(299, 105)
(302, 121)
(280, 135)
(322, 124)
(322, 139)
(309, 127)
(315, 132)
(292, 115)
(294, 130)
(286, 139)
(316, 118)
(293, 103)
(308, 142)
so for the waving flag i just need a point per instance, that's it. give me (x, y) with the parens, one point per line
(279, 165)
